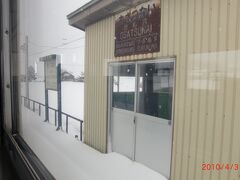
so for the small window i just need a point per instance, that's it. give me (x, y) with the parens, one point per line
(124, 87)
(155, 86)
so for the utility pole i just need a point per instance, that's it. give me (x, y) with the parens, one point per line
(26, 67)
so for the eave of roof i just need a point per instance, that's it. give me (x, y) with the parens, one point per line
(81, 9)
(96, 10)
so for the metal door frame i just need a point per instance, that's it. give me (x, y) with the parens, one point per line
(109, 95)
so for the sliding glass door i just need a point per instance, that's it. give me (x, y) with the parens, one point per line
(154, 115)
(123, 82)
(140, 112)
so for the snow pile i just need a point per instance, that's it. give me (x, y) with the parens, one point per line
(67, 158)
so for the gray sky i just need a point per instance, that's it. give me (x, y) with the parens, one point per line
(46, 24)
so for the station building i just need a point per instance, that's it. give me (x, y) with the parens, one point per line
(162, 83)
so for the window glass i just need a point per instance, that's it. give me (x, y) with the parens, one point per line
(155, 87)
(51, 81)
(123, 87)
(51, 69)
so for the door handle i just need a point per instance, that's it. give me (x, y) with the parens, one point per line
(8, 86)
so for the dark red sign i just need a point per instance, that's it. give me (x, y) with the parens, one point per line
(138, 32)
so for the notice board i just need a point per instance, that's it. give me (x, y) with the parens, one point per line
(51, 63)
(51, 74)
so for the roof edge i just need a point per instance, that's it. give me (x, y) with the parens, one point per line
(82, 8)
(96, 10)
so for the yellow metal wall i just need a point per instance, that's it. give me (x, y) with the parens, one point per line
(99, 48)
(204, 35)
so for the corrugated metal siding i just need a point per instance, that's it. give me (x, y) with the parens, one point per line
(99, 49)
(204, 35)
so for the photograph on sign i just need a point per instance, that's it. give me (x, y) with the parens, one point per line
(51, 75)
(137, 31)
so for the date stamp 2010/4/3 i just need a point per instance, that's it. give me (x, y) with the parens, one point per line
(220, 166)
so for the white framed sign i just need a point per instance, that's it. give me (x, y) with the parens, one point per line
(52, 68)
(51, 74)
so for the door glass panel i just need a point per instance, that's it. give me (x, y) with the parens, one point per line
(155, 89)
(123, 86)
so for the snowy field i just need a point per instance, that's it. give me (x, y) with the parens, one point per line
(72, 102)
(67, 158)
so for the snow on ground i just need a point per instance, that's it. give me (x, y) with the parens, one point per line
(66, 158)
(72, 102)
(72, 96)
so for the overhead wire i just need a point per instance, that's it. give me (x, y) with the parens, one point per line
(56, 47)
